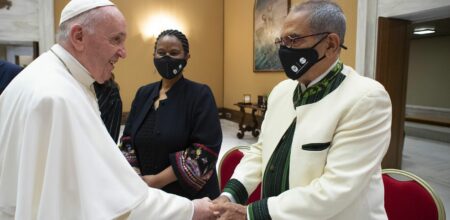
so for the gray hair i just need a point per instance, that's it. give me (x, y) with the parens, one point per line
(325, 16)
(86, 20)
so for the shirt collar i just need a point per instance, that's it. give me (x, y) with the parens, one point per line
(175, 87)
(73, 66)
(321, 76)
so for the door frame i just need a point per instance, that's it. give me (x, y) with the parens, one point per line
(366, 62)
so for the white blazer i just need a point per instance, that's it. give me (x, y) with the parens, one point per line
(341, 180)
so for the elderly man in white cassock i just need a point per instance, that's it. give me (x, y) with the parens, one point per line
(57, 160)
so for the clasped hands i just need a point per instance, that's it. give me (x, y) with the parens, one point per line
(220, 208)
(204, 209)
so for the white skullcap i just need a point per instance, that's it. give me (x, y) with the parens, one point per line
(76, 7)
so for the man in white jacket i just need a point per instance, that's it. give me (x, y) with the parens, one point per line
(324, 135)
(57, 160)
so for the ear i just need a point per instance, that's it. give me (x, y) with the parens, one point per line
(76, 36)
(333, 44)
(188, 56)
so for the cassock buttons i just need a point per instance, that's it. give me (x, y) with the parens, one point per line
(271, 168)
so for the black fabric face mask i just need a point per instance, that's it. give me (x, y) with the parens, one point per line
(169, 67)
(297, 62)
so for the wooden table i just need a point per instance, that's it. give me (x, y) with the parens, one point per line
(254, 127)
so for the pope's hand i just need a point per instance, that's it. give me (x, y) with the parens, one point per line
(202, 210)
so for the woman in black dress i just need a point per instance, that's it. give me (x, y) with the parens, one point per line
(173, 127)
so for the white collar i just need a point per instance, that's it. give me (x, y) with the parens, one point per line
(75, 68)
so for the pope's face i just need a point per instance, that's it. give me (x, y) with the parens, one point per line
(106, 44)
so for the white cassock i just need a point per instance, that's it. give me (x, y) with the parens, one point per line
(57, 160)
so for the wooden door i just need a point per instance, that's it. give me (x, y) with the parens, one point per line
(392, 71)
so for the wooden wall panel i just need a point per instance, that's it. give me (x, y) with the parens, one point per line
(392, 72)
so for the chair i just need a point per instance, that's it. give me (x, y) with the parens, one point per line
(227, 165)
(408, 196)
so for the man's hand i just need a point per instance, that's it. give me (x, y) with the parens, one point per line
(230, 211)
(221, 200)
(202, 210)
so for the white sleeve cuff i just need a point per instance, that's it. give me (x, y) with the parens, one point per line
(229, 196)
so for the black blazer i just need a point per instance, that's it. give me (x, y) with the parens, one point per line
(188, 115)
(7, 73)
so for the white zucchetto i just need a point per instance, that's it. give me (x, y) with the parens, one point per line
(76, 7)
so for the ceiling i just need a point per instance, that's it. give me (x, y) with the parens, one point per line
(442, 28)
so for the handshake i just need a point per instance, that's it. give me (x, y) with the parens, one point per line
(220, 208)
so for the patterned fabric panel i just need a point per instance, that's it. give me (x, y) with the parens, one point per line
(129, 153)
(276, 175)
(194, 166)
(324, 87)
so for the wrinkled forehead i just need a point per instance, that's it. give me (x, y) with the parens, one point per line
(111, 20)
(112, 12)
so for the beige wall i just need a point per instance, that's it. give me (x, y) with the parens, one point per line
(221, 38)
(203, 24)
(428, 73)
(239, 77)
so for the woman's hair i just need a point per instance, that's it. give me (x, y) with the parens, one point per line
(180, 36)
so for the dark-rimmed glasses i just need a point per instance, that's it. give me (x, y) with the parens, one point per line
(290, 41)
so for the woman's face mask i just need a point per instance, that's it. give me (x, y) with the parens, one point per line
(169, 67)
(169, 57)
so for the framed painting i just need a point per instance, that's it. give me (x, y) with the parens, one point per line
(267, 21)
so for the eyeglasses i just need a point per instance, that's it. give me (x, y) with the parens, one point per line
(292, 41)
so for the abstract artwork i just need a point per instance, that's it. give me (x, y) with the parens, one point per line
(268, 20)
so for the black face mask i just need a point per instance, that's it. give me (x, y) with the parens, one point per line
(297, 62)
(169, 67)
